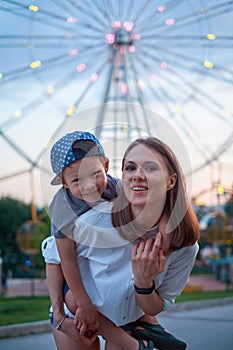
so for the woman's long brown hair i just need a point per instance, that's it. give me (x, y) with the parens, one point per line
(182, 226)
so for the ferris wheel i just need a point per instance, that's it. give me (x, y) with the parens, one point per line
(120, 68)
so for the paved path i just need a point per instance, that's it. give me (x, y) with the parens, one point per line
(205, 325)
(203, 329)
(36, 287)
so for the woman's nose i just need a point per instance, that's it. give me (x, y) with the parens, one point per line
(139, 173)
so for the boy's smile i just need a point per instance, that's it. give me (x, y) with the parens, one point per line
(86, 178)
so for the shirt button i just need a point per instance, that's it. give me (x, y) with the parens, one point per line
(124, 317)
(126, 298)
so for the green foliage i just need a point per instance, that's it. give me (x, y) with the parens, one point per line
(192, 296)
(20, 239)
(23, 309)
(229, 208)
(12, 214)
(29, 309)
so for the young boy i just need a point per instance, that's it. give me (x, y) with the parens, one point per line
(80, 165)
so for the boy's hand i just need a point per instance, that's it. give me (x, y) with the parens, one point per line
(69, 328)
(86, 319)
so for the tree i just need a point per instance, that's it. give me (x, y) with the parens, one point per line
(14, 214)
(229, 207)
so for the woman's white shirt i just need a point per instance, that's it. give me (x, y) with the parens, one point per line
(104, 259)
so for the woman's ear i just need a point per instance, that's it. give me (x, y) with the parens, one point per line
(171, 181)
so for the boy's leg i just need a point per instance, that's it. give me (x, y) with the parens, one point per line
(116, 337)
(64, 342)
(70, 301)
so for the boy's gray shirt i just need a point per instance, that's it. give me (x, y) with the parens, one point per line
(65, 208)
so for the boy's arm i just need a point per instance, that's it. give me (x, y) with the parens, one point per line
(54, 276)
(55, 283)
(86, 316)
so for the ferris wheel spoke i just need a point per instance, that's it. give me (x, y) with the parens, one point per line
(17, 149)
(99, 71)
(162, 95)
(140, 11)
(96, 18)
(29, 69)
(110, 11)
(187, 127)
(187, 85)
(130, 9)
(217, 154)
(185, 64)
(150, 18)
(194, 17)
(39, 100)
(190, 18)
(119, 56)
(177, 42)
(35, 10)
(139, 92)
(105, 97)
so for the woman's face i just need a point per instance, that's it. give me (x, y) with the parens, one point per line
(145, 178)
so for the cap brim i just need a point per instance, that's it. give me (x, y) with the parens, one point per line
(56, 181)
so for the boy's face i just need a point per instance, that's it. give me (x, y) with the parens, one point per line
(86, 178)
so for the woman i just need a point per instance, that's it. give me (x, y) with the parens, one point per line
(153, 185)
(154, 194)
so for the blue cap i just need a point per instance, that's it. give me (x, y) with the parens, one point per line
(63, 152)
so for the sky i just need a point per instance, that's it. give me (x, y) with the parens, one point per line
(63, 68)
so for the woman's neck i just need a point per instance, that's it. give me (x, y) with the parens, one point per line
(146, 217)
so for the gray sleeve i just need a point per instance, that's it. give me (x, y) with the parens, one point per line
(177, 272)
(62, 215)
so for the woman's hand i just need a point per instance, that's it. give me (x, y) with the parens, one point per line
(148, 260)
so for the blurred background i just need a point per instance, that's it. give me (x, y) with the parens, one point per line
(121, 69)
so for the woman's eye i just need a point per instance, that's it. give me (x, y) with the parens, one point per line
(130, 168)
(95, 173)
(150, 168)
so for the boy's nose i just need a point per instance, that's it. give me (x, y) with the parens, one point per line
(89, 183)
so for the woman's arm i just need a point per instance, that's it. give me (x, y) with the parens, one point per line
(179, 267)
(148, 260)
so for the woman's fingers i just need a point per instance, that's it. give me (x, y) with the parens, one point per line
(148, 259)
(146, 247)
(138, 248)
(162, 260)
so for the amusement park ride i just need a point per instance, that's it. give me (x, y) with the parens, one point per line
(122, 69)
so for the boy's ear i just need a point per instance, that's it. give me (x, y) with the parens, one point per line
(172, 181)
(59, 179)
(106, 165)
